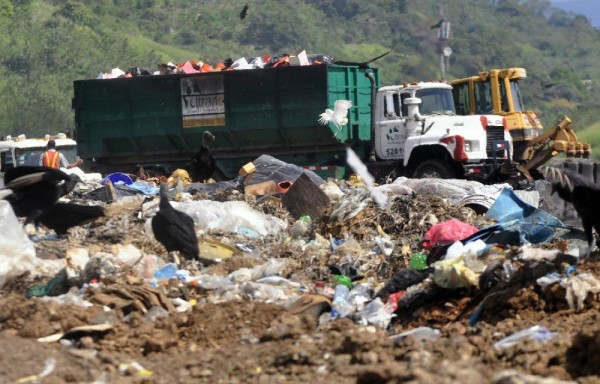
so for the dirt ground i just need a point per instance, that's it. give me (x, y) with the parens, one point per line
(241, 340)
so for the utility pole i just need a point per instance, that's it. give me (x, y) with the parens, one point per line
(442, 46)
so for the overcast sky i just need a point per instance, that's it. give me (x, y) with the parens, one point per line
(589, 8)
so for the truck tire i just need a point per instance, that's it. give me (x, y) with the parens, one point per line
(434, 168)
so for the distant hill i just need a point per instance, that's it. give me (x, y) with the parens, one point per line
(588, 8)
(46, 45)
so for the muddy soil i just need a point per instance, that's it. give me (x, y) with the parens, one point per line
(256, 342)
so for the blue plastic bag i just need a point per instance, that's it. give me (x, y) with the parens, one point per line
(535, 225)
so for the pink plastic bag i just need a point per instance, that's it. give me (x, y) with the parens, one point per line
(448, 232)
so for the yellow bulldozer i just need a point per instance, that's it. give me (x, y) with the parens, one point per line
(497, 92)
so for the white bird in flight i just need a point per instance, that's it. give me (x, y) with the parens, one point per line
(338, 116)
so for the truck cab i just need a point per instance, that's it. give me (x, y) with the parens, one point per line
(417, 125)
(19, 151)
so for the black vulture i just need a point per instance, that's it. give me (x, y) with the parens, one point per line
(36, 189)
(202, 165)
(582, 193)
(174, 229)
(62, 216)
(244, 12)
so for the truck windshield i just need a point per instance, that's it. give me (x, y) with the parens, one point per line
(31, 156)
(436, 102)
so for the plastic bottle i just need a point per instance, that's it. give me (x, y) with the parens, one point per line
(340, 304)
(341, 291)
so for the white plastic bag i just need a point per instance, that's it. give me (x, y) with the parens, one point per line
(231, 216)
(17, 253)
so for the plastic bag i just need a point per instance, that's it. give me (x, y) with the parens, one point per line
(231, 216)
(270, 168)
(448, 232)
(578, 287)
(453, 274)
(376, 313)
(17, 252)
(263, 292)
(536, 333)
(441, 187)
(420, 333)
(536, 226)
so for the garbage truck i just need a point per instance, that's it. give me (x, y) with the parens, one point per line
(158, 121)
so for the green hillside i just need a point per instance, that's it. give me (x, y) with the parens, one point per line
(46, 45)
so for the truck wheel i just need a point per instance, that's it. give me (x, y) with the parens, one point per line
(434, 168)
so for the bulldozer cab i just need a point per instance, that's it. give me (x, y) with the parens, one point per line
(498, 92)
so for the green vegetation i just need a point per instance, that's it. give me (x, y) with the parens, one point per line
(46, 45)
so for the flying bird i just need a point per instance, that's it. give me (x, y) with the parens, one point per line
(244, 12)
(364, 64)
(174, 229)
(338, 116)
(583, 194)
(35, 190)
(202, 165)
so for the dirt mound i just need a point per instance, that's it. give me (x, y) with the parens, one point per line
(582, 356)
(34, 318)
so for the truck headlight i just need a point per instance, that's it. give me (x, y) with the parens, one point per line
(468, 146)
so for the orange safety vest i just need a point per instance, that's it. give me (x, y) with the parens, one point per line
(51, 159)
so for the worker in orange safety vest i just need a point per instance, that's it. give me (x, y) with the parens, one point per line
(51, 158)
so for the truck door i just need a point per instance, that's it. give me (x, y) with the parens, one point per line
(391, 133)
(6, 161)
(462, 99)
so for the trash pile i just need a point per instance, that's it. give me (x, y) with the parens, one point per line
(198, 66)
(296, 278)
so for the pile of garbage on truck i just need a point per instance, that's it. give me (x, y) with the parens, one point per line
(198, 66)
(293, 277)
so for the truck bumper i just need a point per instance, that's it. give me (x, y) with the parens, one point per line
(480, 172)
